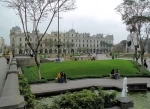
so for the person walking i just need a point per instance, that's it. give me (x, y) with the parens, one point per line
(145, 64)
(6, 55)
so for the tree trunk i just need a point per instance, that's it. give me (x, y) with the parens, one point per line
(38, 66)
(136, 55)
(142, 57)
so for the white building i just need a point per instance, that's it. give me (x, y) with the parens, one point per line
(1, 44)
(72, 42)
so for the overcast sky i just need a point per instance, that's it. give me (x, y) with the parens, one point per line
(91, 16)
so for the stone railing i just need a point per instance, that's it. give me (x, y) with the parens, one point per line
(11, 98)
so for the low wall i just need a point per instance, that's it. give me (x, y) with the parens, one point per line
(26, 61)
(11, 98)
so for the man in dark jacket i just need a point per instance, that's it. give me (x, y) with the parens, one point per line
(64, 77)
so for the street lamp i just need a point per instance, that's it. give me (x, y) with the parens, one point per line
(58, 45)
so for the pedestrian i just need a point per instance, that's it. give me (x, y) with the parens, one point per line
(145, 64)
(6, 55)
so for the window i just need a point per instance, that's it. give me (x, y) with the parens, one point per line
(55, 39)
(87, 40)
(90, 40)
(83, 40)
(87, 45)
(55, 34)
(13, 39)
(76, 45)
(72, 34)
(76, 35)
(20, 45)
(25, 45)
(41, 45)
(97, 45)
(13, 45)
(76, 40)
(72, 40)
(79, 45)
(94, 40)
(83, 45)
(30, 39)
(20, 39)
(97, 40)
(79, 40)
(64, 40)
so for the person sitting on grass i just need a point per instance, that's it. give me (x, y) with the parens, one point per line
(117, 74)
(64, 77)
(112, 74)
(59, 78)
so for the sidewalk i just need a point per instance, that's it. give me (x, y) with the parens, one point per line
(49, 88)
(3, 69)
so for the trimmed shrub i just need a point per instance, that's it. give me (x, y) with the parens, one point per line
(79, 100)
(25, 90)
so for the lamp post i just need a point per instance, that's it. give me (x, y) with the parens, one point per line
(58, 45)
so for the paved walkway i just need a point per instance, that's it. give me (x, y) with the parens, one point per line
(3, 69)
(49, 88)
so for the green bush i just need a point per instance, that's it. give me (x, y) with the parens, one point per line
(25, 90)
(79, 100)
(109, 98)
(85, 99)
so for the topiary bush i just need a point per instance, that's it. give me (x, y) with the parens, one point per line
(25, 91)
(109, 98)
(85, 99)
(79, 100)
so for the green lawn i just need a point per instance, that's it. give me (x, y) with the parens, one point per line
(81, 69)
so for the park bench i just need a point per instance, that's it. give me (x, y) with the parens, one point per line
(137, 87)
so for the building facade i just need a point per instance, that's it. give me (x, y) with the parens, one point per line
(71, 42)
(1, 44)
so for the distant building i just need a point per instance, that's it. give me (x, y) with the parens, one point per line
(72, 42)
(1, 44)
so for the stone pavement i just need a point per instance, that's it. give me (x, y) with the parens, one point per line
(49, 88)
(3, 70)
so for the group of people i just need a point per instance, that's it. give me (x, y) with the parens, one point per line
(61, 77)
(115, 74)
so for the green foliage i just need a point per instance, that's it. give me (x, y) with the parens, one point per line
(79, 100)
(24, 88)
(85, 99)
(109, 98)
(81, 69)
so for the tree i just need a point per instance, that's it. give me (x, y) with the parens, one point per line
(135, 14)
(37, 11)
(123, 44)
(117, 48)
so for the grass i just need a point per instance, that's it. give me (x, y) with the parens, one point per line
(81, 69)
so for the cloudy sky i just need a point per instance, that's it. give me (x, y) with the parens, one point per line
(91, 16)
